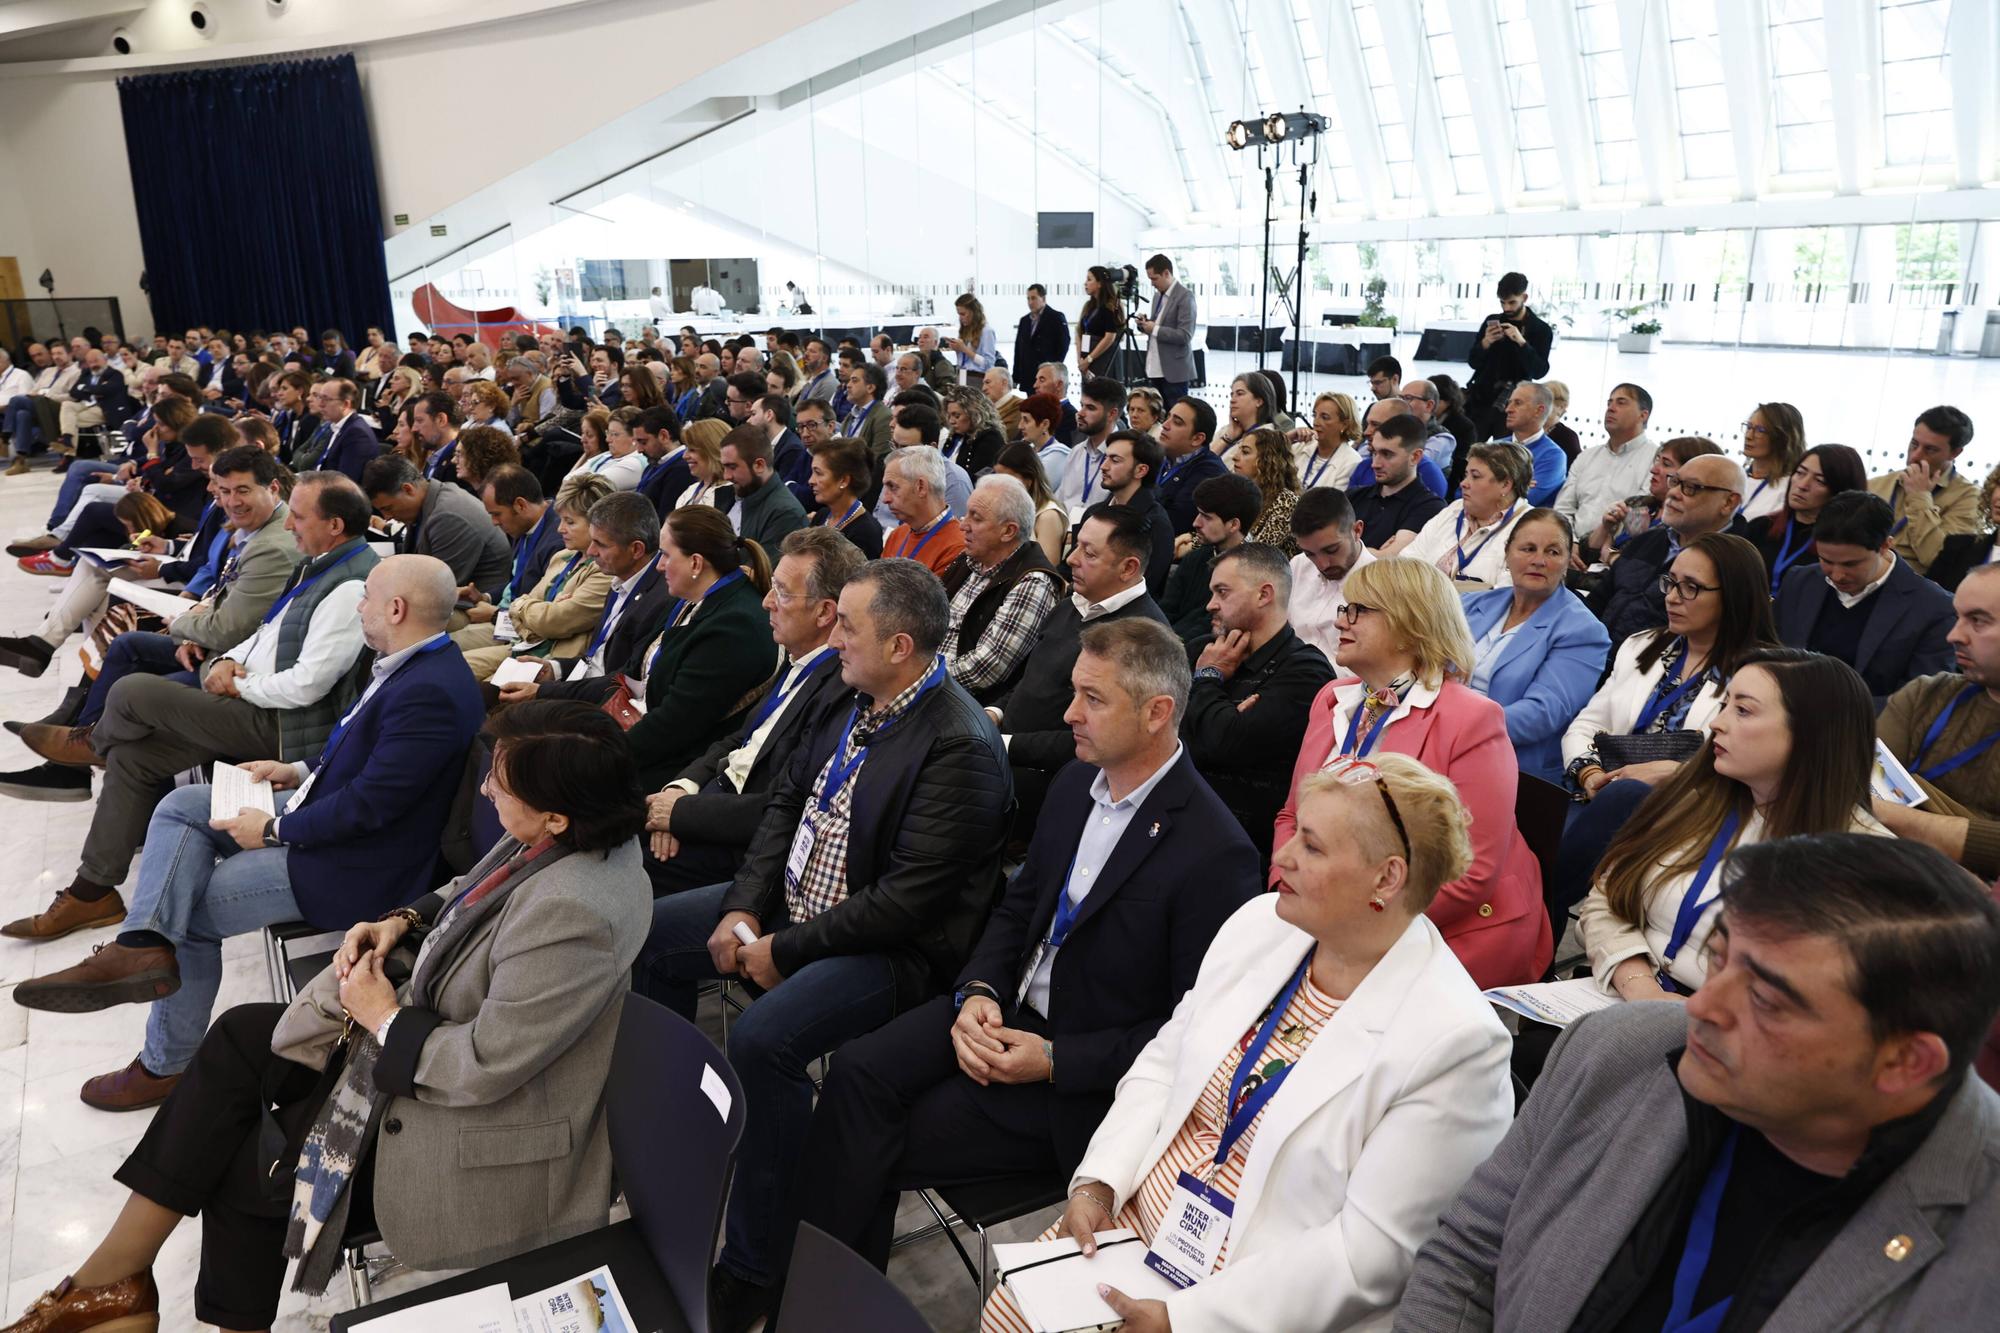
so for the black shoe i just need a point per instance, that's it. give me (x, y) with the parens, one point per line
(28, 655)
(49, 782)
(64, 714)
(736, 1303)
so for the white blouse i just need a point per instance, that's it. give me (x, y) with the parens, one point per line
(1622, 697)
(1468, 554)
(623, 473)
(1334, 470)
(1763, 499)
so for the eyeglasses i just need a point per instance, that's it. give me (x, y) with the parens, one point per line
(1360, 772)
(1414, 398)
(1686, 589)
(1350, 613)
(1750, 428)
(1690, 488)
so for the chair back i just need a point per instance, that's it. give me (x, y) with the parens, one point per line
(831, 1289)
(1541, 809)
(676, 1115)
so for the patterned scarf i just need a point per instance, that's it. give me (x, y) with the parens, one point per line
(1375, 702)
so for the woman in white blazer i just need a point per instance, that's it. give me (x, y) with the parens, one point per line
(1468, 538)
(1401, 1084)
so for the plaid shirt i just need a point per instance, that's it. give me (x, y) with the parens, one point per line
(823, 882)
(1008, 636)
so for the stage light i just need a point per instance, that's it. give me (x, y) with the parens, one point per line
(1283, 126)
(1237, 136)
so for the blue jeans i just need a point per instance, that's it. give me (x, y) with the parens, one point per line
(17, 422)
(197, 901)
(810, 1013)
(137, 651)
(1591, 828)
(83, 472)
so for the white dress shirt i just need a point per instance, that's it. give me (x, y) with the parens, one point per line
(1852, 600)
(1764, 498)
(1085, 467)
(15, 381)
(622, 473)
(333, 638)
(1315, 602)
(621, 595)
(743, 758)
(1095, 610)
(1602, 476)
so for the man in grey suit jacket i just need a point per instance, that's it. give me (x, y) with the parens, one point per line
(444, 520)
(1800, 1145)
(1169, 332)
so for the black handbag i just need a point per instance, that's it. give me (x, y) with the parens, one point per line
(1616, 750)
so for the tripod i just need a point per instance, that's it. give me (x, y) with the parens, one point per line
(1291, 287)
(1131, 362)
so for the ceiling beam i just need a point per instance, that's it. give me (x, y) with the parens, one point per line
(1743, 29)
(1972, 35)
(1649, 73)
(1416, 96)
(1854, 67)
(1356, 111)
(1572, 128)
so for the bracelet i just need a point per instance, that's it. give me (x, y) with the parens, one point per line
(1083, 1191)
(409, 915)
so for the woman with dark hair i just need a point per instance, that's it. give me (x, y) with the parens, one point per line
(1041, 418)
(1762, 774)
(840, 477)
(1265, 458)
(1774, 439)
(480, 450)
(686, 389)
(1451, 411)
(483, 1014)
(1786, 538)
(1251, 405)
(1102, 320)
(639, 387)
(1020, 461)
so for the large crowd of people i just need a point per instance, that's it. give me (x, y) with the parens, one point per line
(1072, 759)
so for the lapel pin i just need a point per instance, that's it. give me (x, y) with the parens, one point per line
(1898, 1248)
(1155, 831)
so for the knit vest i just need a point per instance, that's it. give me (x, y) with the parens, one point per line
(1028, 561)
(303, 731)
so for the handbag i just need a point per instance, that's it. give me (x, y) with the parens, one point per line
(1618, 749)
(620, 707)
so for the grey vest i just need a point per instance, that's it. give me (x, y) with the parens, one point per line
(303, 731)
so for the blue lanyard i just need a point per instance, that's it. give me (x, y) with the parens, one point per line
(1463, 558)
(610, 618)
(1314, 474)
(432, 645)
(332, 434)
(277, 608)
(1692, 903)
(929, 533)
(1347, 748)
(1168, 473)
(1963, 757)
(842, 765)
(673, 616)
(845, 518)
(1788, 556)
(524, 550)
(1089, 474)
(563, 576)
(1700, 1241)
(660, 467)
(1243, 1116)
(1754, 494)
(1661, 702)
(438, 460)
(854, 423)
(776, 698)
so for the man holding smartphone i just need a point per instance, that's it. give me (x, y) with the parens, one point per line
(1512, 346)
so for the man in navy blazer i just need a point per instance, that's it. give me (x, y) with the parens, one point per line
(667, 474)
(1011, 1075)
(355, 834)
(345, 441)
(1042, 336)
(1862, 604)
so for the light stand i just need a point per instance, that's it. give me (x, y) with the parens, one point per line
(1270, 134)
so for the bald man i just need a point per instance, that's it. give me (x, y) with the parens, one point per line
(1702, 497)
(351, 835)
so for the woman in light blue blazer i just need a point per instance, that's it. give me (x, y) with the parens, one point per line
(1538, 650)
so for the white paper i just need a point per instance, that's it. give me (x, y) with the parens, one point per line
(166, 605)
(584, 1304)
(1892, 782)
(503, 628)
(1557, 1003)
(517, 671)
(486, 1310)
(1057, 1297)
(109, 555)
(233, 791)
(716, 1091)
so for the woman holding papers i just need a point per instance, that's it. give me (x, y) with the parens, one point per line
(1285, 1143)
(556, 616)
(459, 1108)
(1759, 775)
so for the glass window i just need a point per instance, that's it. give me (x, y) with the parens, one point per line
(1454, 101)
(1387, 97)
(1534, 143)
(1801, 88)
(1707, 150)
(1916, 88)
(1605, 84)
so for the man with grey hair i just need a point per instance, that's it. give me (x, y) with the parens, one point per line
(1702, 497)
(908, 372)
(1132, 870)
(355, 834)
(1002, 589)
(1052, 378)
(868, 880)
(939, 371)
(1420, 399)
(913, 491)
(1254, 683)
(1527, 410)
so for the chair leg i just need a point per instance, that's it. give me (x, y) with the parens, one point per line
(985, 1263)
(930, 1202)
(359, 1284)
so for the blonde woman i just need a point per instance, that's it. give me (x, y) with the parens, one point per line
(1403, 654)
(976, 344)
(1325, 454)
(703, 441)
(556, 617)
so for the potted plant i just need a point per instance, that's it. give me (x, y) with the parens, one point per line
(1641, 331)
(1373, 316)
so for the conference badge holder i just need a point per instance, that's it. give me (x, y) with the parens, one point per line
(1188, 1244)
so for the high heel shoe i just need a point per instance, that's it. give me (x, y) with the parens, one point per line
(129, 1305)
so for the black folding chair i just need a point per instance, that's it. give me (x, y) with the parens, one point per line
(831, 1289)
(981, 1205)
(1541, 811)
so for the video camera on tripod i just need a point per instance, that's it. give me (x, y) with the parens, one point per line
(1126, 279)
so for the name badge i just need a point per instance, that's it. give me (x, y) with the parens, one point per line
(503, 629)
(802, 850)
(581, 669)
(299, 797)
(1188, 1244)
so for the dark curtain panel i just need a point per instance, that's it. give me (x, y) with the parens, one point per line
(258, 206)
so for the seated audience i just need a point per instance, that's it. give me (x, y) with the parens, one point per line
(1254, 683)
(1084, 959)
(866, 417)
(624, 542)
(1785, 538)
(1861, 604)
(1559, 430)
(1096, 417)
(1042, 416)
(1423, 466)
(840, 477)
(1798, 1133)
(1252, 405)
(1537, 650)
(480, 450)
(1107, 582)
(1225, 506)
(278, 693)
(344, 442)
(553, 618)
(701, 823)
(765, 508)
(356, 833)
(1932, 501)
(1002, 589)
(442, 520)
(1185, 431)
(790, 462)
(1604, 474)
(1020, 461)
(1942, 728)
(703, 442)
(1774, 440)
(1963, 551)
(866, 886)
(1131, 461)
(451, 1056)
(658, 430)
(1701, 499)
(1393, 506)
(1468, 539)
(973, 438)
(913, 491)
(1761, 774)
(1399, 689)
(1326, 455)
(1144, 407)
(1641, 512)
(620, 463)
(1527, 412)
(1329, 1184)
(1331, 547)
(1263, 457)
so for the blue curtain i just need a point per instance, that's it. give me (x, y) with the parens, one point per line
(258, 206)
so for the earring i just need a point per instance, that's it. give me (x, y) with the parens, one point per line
(1375, 904)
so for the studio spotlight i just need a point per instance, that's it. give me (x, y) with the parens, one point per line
(1237, 136)
(1281, 126)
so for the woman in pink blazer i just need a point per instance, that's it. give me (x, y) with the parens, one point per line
(1404, 649)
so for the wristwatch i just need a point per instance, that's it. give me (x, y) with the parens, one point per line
(970, 989)
(1209, 673)
(271, 838)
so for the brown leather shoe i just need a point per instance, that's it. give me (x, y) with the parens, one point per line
(68, 913)
(133, 1088)
(113, 974)
(69, 746)
(19, 467)
(129, 1305)
(47, 541)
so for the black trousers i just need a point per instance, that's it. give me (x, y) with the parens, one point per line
(200, 1157)
(897, 1113)
(696, 866)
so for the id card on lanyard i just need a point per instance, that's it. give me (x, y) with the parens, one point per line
(1693, 904)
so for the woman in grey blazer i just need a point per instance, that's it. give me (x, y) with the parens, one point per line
(461, 1108)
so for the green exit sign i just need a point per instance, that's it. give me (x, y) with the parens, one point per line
(437, 229)
(402, 219)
